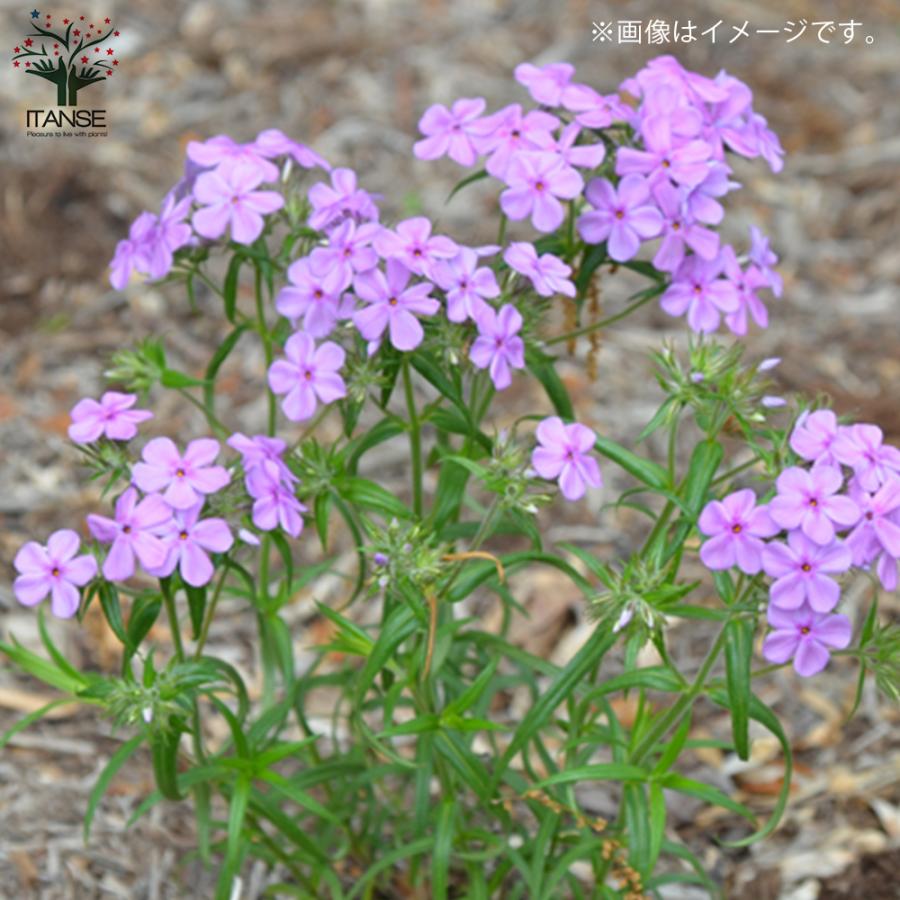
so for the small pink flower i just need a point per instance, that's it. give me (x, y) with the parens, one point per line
(274, 505)
(54, 570)
(735, 526)
(862, 448)
(186, 478)
(806, 636)
(814, 435)
(228, 199)
(623, 216)
(563, 454)
(414, 245)
(498, 347)
(188, 540)
(307, 375)
(801, 569)
(810, 501)
(342, 199)
(537, 181)
(548, 273)
(111, 417)
(466, 284)
(449, 132)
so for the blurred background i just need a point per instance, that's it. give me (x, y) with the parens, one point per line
(351, 78)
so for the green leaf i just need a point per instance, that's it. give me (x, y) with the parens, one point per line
(116, 761)
(297, 796)
(320, 514)
(761, 713)
(543, 367)
(657, 823)
(705, 792)
(172, 378)
(109, 601)
(465, 182)
(30, 719)
(451, 489)
(389, 427)
(590, 654)
(42, 669)
(230, 290)
(597, 772)
(645, 470)
(145, 611)
(637, 826)
(592, 260)
(369, 495)
(196, 597)
(164, 749)
(443, 847)
(218, 359)
(389, 859)
(234, 844)
(738, 653)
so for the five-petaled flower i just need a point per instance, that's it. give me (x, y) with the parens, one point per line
(806, 637)
(185, 478)
(623, 216)
(307, 375)
(111, 417)
(735, 526)
(809, 500)
(228, 199)
(450, 131)
(498, 347)
(562, 455)
(536, 182)
(802, 569)
(55, 570)
(189, 539)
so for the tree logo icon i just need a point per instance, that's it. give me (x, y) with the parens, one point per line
(72, 53)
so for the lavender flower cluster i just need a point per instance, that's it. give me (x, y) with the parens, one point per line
(665, 180)
(838, 511)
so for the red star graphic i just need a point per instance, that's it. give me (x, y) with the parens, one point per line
(109, 71)
(109, 52)
(76, 32)
(81, 18)
(96, 49)
(56, 46)
(115, 62)
(28, 42)
(92, 24)
(16, 50)
(16, 64)
(65, 21)
(27, 64)
(115, 34)
(49, 16)
(107, 21)
(84, 59)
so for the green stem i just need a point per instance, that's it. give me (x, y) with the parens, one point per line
(609, 320)
(210, 612)
(676, 711)
(172, 614)
(415, 439)
(266, 341)
(220, 430)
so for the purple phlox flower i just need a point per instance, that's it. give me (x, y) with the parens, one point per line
(806, 637)
(592, 109)
(809, 500)
(679, 230)
(348, 251)
(414, 245)
(697, 289)
(55, 570)
(316, 300)
(450, 132)
(746, 283)
(188, 540)
(185, 478)
(274, 505)
(862, 448)
(583, 156)
(563, 454)
(801, 570)
(725, 121)
(814, 434)
(274, 142)
(223, 149)
(662, 158)
(307, 375)
(764, 259)
(536, 182)
(466, 284)
(168, 233)
(184, 187)
(546, 84)
(507, 132)
(878, 531)
(765, 142)
(133, 532)
(548, 273)
(498, 347)
(341, 200)
(131, 254)
(623, 216)
(667, 72)
(228, 198)
(111, 417)
(259, 449)
(735, 526)
(771, 402)
(701, 201)
(392, 305)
